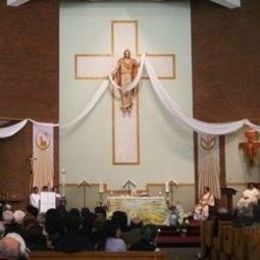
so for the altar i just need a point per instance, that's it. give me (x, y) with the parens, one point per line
(149, 209)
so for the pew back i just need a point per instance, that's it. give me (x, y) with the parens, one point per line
(217, 241)
(241, 238)
(207, 233)
(97, 255)
(254, 244)
(227, 239)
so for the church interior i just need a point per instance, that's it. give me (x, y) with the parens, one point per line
(134, 106)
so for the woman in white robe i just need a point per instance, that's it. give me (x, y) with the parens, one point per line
(201, 210)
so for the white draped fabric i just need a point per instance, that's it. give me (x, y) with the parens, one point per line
(9, 131)
(42, 123)
(184, 119)
(92, 103)
(171, 106)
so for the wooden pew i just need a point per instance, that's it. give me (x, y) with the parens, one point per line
(217, 241)
(206, 237)
(207, 233)
(227, 232)
(240, 245)
(254, 244)
(98, 255)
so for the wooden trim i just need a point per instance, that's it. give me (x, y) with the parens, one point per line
(163, 184)
(71, 185)
(196, 165)
(237, 184)
(128, 255)
(113, 129)
(163, 55)
(187, 184)
(222, 158)
(155, 184)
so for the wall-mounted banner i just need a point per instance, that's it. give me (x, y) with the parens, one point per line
(42, 155)
(209, 164)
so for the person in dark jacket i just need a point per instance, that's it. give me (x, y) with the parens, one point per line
(148, 239)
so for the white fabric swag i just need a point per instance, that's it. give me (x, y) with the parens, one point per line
(11, 130)
(171, 106)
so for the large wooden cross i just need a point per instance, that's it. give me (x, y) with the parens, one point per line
(124, 35)
(251, 147)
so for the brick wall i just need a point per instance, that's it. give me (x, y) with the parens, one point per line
(29, 69)
(226, 58)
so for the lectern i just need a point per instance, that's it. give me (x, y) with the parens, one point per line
(229, 193)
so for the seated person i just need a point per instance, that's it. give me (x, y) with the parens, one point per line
(13, 246)
(245, 210)
(133, 235)
(249, 198)
(202, 209)
(256, 212)
(176, 214)
(147, 242)
(113, 242)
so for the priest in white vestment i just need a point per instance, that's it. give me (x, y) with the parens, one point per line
(250, 197)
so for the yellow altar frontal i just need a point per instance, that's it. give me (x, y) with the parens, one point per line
(150, 209)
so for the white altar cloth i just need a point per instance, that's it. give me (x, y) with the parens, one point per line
(150, 209)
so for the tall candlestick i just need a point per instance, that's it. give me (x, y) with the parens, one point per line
(63, 176)
(101, 187)
(167, 187)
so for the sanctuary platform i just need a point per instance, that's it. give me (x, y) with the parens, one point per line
(188, 236)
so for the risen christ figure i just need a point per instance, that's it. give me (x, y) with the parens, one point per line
(124, 73)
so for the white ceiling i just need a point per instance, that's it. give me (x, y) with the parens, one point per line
(227, 3)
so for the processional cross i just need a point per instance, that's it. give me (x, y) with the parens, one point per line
(125, 129)
(128, 185)
(84, 184)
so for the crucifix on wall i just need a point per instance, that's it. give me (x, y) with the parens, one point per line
(125, 128)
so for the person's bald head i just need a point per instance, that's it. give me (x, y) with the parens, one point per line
(13, 246)
(9, 248)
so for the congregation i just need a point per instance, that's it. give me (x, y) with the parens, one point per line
(77, 230)
(72, 231)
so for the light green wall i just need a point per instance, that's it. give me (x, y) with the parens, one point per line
(86, 151)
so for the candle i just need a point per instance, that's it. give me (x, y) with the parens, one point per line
(167, 186)
(101, 187)
(63, 174)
